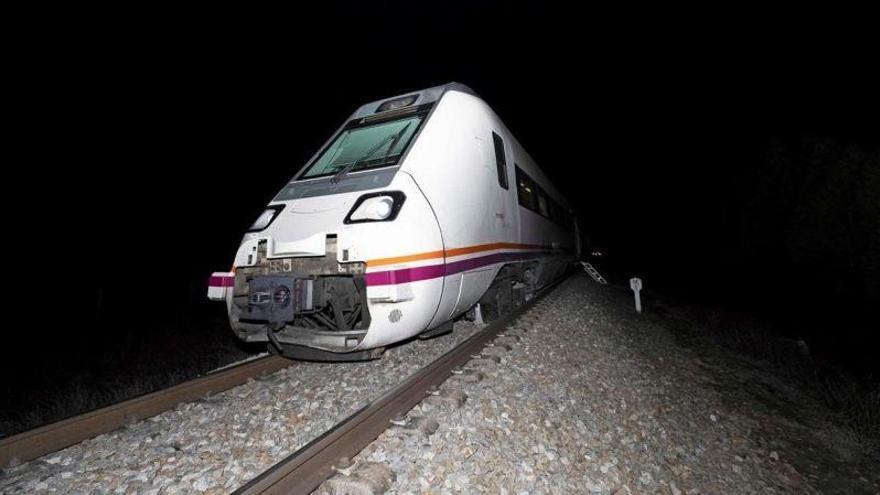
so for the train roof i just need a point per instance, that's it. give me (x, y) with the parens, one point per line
(433, 94)
(423, 96)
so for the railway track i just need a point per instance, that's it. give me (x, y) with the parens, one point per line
(301, 472)
(50, 438)
(305, 470)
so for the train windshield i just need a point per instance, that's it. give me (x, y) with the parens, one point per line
(365, 146)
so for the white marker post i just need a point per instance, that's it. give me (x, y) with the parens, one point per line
(636, 285)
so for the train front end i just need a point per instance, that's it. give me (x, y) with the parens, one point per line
(316, 277)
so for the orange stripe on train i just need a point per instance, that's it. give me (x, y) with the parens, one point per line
(450, 252)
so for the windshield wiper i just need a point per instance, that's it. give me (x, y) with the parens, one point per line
(393, 138)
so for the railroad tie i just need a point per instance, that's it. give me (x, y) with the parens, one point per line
(452, 399)
(485, 363)
(415, 426)
(466, 376)
(368, 478)
(496, 350)
(508, 340)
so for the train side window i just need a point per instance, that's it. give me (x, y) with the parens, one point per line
(543, 208)
(500, 160)
(555, 212)
(525, 190)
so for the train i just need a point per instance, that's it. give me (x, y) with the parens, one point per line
(420, 209)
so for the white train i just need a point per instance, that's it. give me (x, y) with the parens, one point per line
(417, 209)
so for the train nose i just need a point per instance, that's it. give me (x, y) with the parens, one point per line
(339, 246)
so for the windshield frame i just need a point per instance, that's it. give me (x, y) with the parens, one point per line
(422, 111)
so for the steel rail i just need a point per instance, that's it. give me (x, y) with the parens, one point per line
(304, 470)
(46, 439)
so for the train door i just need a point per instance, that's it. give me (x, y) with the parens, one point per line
(505, 222)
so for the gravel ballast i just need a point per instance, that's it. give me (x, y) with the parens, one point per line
(595, 398)
(217, 444)
(580, 395)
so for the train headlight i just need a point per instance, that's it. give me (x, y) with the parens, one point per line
(376, 207)
(266, 218)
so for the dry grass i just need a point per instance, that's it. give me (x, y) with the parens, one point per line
(854, 401)
(110, 369)
(857, 404)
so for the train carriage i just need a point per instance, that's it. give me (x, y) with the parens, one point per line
(418, 209)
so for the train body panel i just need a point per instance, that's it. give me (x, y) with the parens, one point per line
(456, 165)
(351, 257)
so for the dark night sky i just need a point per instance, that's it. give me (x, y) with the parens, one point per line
(152, 145)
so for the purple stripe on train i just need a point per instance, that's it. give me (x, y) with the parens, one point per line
(405, 275)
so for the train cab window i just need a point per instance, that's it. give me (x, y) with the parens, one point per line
(368, 146)
(500, 160)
